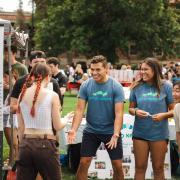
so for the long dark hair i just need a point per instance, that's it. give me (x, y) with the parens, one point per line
(158, 76)
(38, 73)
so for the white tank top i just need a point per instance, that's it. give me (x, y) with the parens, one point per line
(42, 118)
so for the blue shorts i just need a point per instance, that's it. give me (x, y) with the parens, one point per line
(91, 142)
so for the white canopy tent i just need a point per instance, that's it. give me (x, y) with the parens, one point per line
(5, 36)
(9, 36)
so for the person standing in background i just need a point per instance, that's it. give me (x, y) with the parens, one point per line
(62, 80)
(176, 96)
(18, 70)
(36, 57)
(151, 103)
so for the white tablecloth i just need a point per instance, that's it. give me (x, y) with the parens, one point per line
(64, 132)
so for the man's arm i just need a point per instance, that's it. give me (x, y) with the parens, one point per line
(63, 90)
(56, 89)
(63, 83)
(15, 93)
(119, 110)
(81, 104)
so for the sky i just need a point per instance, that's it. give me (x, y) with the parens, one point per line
(12, 5)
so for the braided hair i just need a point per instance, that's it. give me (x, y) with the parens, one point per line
(38, 80)
(28, 83)
(38, 73)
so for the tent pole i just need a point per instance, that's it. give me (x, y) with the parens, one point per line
(11, 158)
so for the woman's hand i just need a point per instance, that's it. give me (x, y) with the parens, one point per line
(141, 113)
(158, 117)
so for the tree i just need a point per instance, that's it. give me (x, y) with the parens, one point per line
(20, 18)
(99, 27)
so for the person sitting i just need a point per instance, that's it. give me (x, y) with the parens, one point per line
(78, 73)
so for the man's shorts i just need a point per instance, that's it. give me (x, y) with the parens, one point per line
(7, 121)
(91, 142)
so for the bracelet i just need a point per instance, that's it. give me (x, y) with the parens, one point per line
(115, 136)
(135, 109)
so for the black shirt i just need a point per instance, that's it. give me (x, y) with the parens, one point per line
(61, 79)
(20, 82)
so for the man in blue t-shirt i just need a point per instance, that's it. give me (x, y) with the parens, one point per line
(105, 99)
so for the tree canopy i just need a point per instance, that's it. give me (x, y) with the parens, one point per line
(93, 27)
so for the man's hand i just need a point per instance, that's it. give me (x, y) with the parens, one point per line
(113, 142)
(71, 136)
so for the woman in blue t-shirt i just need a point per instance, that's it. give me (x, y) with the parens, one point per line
(151, 103)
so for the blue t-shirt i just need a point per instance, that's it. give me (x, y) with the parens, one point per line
(147, 99)
(175, 79)
(101, 99)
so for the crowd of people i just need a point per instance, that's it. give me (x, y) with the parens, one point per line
(35, 103)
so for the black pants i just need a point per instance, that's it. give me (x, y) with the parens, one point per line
(38, 155)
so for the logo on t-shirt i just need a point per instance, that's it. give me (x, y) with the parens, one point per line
(101, 96)
(100, 93)
(150, 96)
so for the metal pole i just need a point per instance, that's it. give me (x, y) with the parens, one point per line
(26, 53)
(1, 96)
(11, 158)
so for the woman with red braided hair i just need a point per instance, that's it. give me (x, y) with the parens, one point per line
(38, 114)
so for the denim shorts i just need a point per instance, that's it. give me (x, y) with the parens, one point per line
(138, 138)
(91, 142)
(6, 121)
